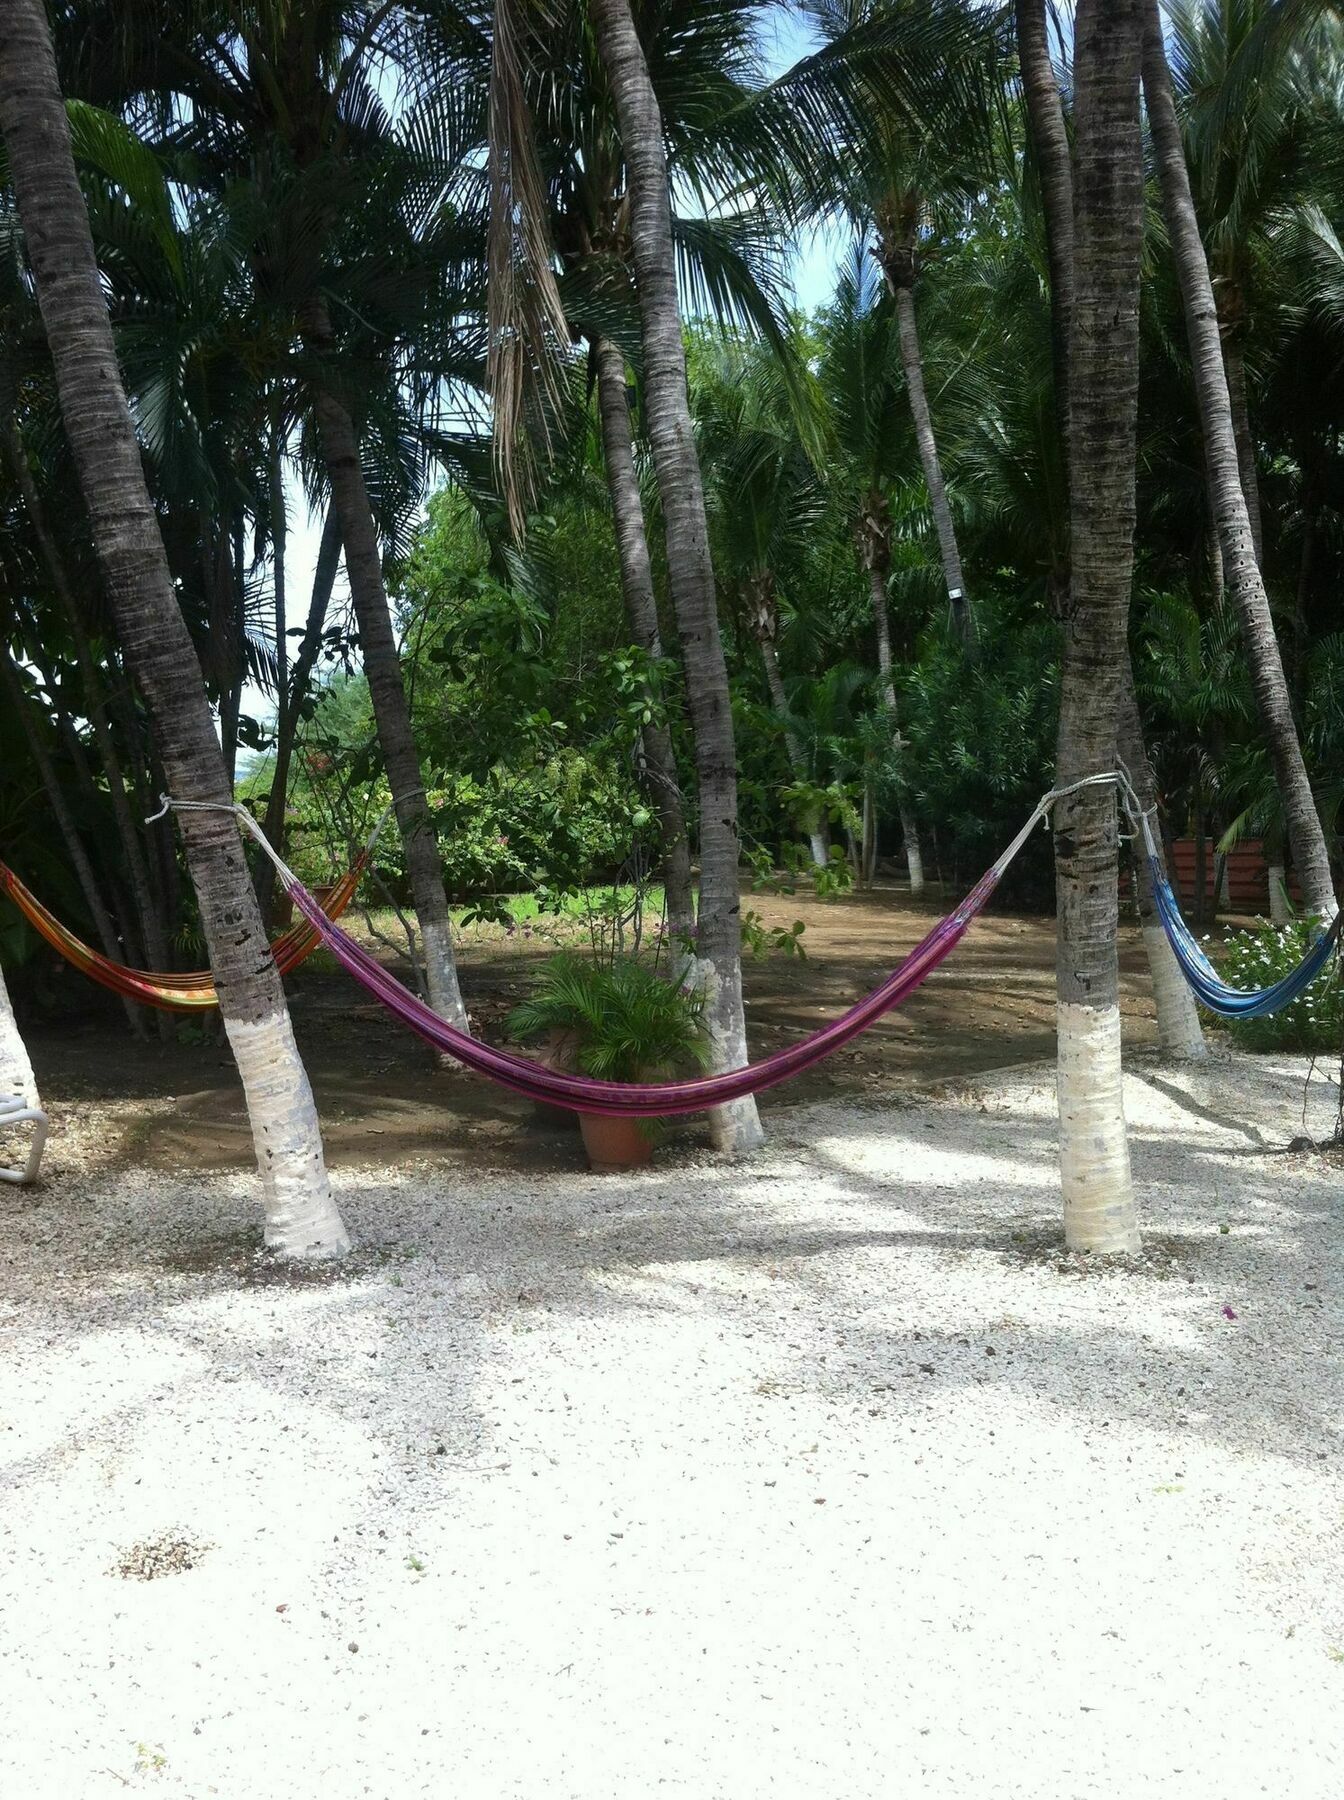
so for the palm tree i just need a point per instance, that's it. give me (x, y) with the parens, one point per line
(301, 1215)
(294, 137)
(766, 500)
(860, 375)
(1179, 1030)
(641, 608)
(1099, 1212)
(690, 571)
(903, 177)
(1241, 564)
(1054, 171)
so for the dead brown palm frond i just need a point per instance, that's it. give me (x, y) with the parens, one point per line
(525, 314)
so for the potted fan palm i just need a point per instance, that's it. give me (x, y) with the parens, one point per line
(625, 1023)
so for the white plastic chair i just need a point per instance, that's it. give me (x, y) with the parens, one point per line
(15, 1110)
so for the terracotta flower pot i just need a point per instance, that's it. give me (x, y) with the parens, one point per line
(614, 1143)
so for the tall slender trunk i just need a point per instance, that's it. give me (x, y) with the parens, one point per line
(16, 1069)
(1099, 1211)
(1050, 143)
(387, 690)
(1235, 364)
(897, 254)
(641, 612)
(691, 574)
(763, 616)
(13, 696)
(301, 1215)
(1241, 569)
(153, 939)
(1178, 1028)
(793, 749)
(296, 691)
(874, 563)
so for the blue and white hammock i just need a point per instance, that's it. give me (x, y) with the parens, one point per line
(1209, 987)
(1207, 984)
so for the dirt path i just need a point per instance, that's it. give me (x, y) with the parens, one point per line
(175, 1105)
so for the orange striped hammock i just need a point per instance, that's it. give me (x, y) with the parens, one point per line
(192, 992)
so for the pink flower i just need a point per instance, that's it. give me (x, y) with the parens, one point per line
(1228, 1313)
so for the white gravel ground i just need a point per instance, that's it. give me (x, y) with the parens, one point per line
(824, 1475)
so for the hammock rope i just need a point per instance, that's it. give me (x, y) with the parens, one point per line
(581, 1093)
(1207, 985)
(192, 991)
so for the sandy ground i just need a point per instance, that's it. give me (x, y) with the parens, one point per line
(825, 1475)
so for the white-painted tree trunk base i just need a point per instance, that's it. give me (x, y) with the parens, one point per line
(1178, 1028)
(1098, 1189)
(736, 1127)
(16, 1070)
(302, 1218)
(820, 854)
(445, 995)
(914, 858)
(1279, 912)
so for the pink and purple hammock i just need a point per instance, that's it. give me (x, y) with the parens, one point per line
(582, 1093)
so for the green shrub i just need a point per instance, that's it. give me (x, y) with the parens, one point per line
(1260, 957)
(628, 1023)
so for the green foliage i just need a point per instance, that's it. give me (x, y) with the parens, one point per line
(981, 743)
(1265, 954)
(628, 1022)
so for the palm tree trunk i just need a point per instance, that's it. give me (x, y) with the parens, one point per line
(897, 257)
(13, 696)
(153, 939)
(1241, 570)
(387, 690)
(763, 618)
(913, 363)
(877, 588)
(1050, 142)
(16, 1069)
(301, 1215)
(1178, 1028)
(641, 611)
(691, 574)
(1241, 429)
(287, 725)
(774, 682)
(1099, 1212)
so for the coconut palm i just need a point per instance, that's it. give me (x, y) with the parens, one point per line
(1099, 1211)
(1241, 563)
(765, 501)
(909, 183)
(690, 571)
(860, 375)
(302, 1218)
(296, 133)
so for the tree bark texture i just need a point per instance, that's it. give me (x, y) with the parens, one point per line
(1241, 568)
(301, 1215)
(1235, 364)
(1099, 1213)
(1050, 145)
(1178, 1028)
(641, 612)
(387, 690)
(691, 574)
(153, 943)
(875, 564)
(287, 721)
